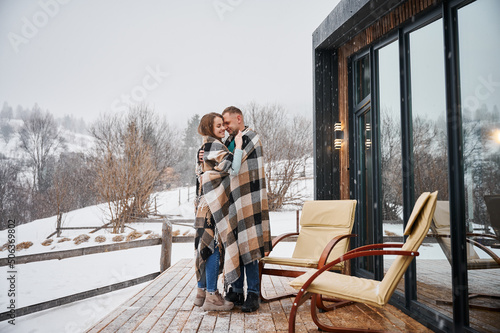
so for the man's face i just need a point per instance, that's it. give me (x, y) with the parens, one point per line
(232, 122)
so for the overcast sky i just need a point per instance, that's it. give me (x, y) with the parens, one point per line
(86, 57)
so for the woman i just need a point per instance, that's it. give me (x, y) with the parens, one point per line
(208, 247)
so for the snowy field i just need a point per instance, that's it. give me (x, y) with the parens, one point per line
(46, 280)
(42, 281)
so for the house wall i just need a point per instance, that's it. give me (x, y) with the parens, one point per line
(384, 26)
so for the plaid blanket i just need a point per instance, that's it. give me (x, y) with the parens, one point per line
(239, 204)
(205, 238)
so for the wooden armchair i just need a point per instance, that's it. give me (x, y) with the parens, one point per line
(350, 288)
(440, 227)
(326, 226)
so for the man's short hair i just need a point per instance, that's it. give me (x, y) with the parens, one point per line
(232, 110)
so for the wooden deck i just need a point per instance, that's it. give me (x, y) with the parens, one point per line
(166, 305)
(434, 283)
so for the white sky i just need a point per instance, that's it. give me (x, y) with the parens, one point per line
(83, 55)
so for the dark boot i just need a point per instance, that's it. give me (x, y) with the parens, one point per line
(252, 303)
(236, 298)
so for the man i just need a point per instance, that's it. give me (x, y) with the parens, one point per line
(239, 206)
(252, 182)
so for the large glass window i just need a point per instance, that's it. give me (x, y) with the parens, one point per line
(389, 107)
(429, 160)
(480, 95)
(428, 109)
(362, 78)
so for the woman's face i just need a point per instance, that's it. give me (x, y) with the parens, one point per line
(219, 129)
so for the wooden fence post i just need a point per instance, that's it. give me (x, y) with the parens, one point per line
(297, 218)
(58, 228)
(166, 246)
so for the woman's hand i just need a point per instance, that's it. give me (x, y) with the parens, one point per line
(238, 140)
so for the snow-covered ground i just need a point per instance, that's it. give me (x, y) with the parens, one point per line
(42, 281)
(46, 280)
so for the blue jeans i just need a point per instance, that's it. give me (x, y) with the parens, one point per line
(252, 273)
(208, 280)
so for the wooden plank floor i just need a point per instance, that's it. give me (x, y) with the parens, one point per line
(434, 283)
(166, 305)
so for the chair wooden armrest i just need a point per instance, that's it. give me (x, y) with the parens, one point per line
(475, 243)
(485, 249)
(482, 235)
(278, 239)
(364, 251)
(329, 247)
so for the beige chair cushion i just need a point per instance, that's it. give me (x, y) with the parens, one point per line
(342, 286)
(321, 221)
(311, 263)
(372, 291)
(441, 226)
(308, 263)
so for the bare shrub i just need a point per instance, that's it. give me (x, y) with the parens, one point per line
(153, 235)
(134, 235)
(47, 242)
(81, 239)
(118, 238)
(287, 143)
(100, 239)
(24, 245)
(65, 239)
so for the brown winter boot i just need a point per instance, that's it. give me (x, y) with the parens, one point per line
(200, 297)
(215, 302)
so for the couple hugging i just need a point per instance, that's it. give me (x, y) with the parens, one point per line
(232, 217)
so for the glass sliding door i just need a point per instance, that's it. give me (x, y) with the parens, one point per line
(429, 159)
(480, 96)
(364, 226)
(389, 107)
(390, 153)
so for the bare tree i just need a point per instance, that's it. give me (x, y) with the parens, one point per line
(287, 143)
(392, 184)
(13, 196)
(131, 154)
(39, 138)
(430, 156)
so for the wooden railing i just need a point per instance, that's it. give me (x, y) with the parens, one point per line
(165, 240)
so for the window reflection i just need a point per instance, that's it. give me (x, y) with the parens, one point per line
(362, 77)
(428, 107)
(390, 139)
(480, 94)
(430, 162)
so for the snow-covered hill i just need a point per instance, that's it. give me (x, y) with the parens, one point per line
(73, 142)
